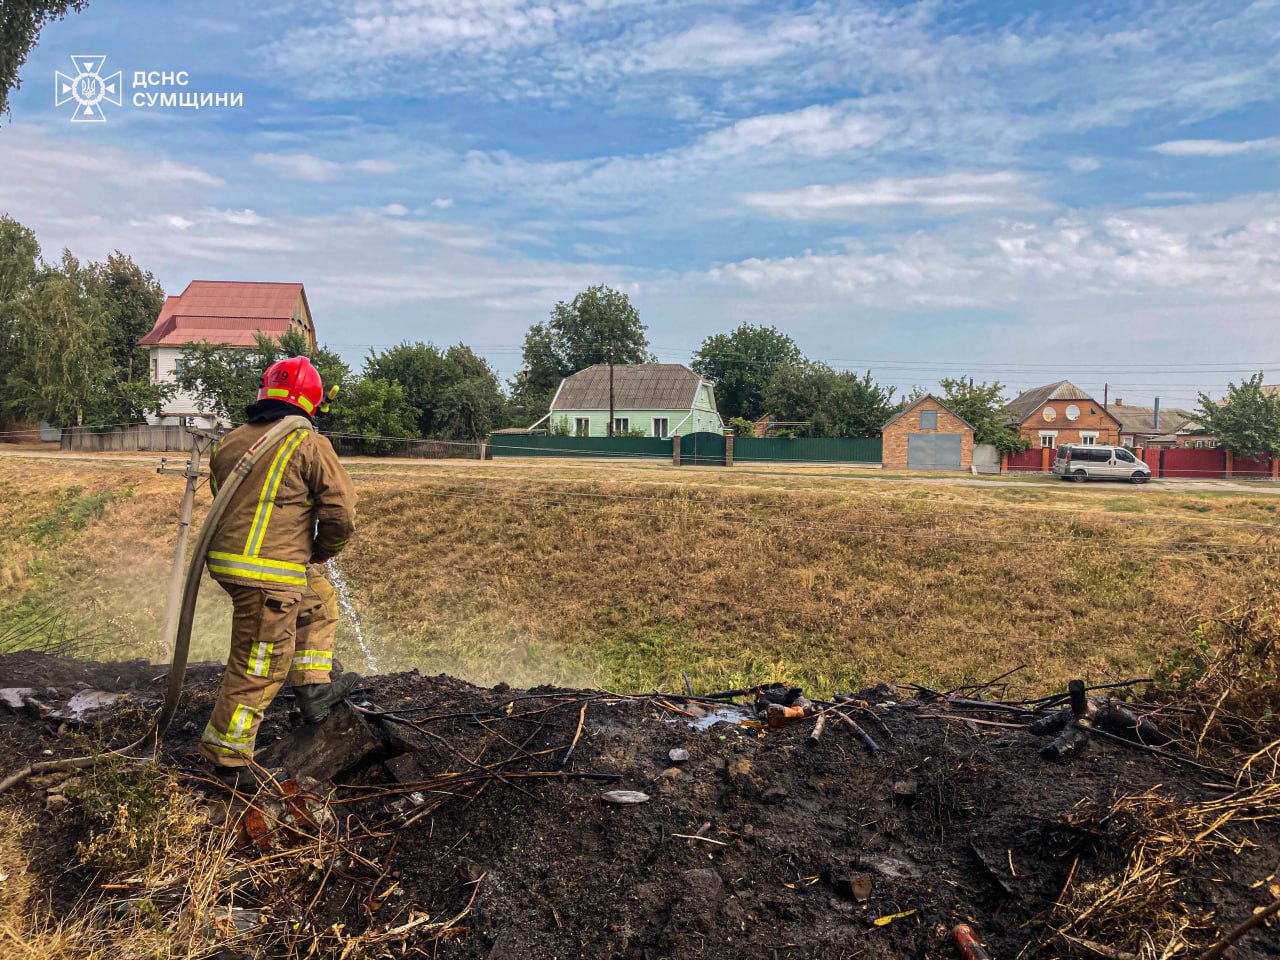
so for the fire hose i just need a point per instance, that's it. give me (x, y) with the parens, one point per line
(190, 591)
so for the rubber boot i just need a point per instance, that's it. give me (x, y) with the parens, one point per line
(237, 779)
(315, 700)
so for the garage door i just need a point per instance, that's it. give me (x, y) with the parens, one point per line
(933, 451)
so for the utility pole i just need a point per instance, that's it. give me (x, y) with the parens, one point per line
(193, 473)
(1106, 387)
(610, 433)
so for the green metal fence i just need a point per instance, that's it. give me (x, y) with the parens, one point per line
(701, 448)
(523, 445)
(807, 450)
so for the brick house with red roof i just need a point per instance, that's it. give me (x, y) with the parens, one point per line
(225, 312)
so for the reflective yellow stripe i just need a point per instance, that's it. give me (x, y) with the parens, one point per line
(233, 741)
(260, 658)
(256, 568)
(302, 401)
(332, 546)
(270, 487)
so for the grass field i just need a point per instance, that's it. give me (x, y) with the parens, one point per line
(624, 575)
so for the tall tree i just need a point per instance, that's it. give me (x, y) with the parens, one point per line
(534, 386)
(742, 362)
(834, 403)
(980, 404)
(19, 269)
(1246, 422)
(62, 373)
(20, 24)
(131, 300)
(598, 326)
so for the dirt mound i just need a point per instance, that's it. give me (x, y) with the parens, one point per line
(486, 811)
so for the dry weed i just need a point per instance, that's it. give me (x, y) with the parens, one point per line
(1152, 843)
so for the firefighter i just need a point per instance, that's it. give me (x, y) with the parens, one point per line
(293, 512)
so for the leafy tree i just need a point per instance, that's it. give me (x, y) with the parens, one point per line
(20, 24)
(455, 391)
(980, 404)
(61, 371)
(742, 427)
(373, 408)
(131, 300)
(1247, 422)
(597, 326)
(835, 403)
(225, 379)
(19, 269)
(62, 337)
(534, 386)
(742, 363)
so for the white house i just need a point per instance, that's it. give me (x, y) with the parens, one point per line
(219, 312)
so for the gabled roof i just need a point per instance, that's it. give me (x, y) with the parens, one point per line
(1028, 402)
(928, 396)
(1142, 420)
(636, 386)
(230, 312)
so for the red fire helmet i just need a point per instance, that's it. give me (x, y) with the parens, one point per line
(294, 381)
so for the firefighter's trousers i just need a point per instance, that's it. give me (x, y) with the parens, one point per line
(275, 635)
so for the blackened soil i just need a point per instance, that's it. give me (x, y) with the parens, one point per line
(751, 848)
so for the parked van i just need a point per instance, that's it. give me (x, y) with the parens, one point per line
(1081, 462)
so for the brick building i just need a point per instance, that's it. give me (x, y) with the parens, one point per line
(927, 436)
(1060, 413)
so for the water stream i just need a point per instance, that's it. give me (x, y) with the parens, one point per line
(349, 610)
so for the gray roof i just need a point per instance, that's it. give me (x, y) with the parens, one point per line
(1028, 402)
(1141, 420)
(928, 396)
(636, 386)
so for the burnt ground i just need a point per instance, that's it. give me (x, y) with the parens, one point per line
(759, 845)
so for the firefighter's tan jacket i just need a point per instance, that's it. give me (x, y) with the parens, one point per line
(296, 505)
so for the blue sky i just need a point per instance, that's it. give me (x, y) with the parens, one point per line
(1088, 191)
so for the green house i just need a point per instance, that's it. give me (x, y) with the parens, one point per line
(656, 399)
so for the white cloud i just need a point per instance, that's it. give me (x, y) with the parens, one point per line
(395, 209)
(313, 169)
(1216, 148)
(950, 194)
(1083, 164)
(442, 203)
(1217, 252)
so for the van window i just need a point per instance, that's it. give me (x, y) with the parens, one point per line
(1126, 456)
(1063, 452)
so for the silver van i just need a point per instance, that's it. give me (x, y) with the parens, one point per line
(1081, 462)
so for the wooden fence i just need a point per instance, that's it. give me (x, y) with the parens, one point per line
(139, 437)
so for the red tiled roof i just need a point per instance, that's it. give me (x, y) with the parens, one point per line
(227, 312)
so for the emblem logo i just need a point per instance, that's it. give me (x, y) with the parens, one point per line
(88, 88)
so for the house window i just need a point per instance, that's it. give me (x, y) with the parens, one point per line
(582, 426)
(928, 419)
(155, 370)
(1199, 444)
(1088, 439)
(1048, 439)
(621, 424)
(660, 427)
(177, 366)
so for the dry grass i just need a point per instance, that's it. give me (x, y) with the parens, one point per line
(1142, 905)
(626, 575)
